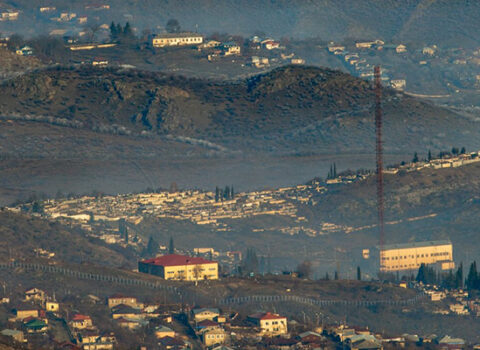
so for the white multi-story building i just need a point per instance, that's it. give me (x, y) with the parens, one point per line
(177, 39)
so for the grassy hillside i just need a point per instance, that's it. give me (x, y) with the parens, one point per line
(24, 234)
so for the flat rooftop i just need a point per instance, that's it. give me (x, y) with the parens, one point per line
(416, 244)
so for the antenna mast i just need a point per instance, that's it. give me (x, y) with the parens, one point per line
(379, 155)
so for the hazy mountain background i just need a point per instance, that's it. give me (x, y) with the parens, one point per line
(77, 130)
(441, 22)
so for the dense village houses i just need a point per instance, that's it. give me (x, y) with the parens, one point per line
(180, 267)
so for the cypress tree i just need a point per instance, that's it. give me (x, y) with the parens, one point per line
(171, 248)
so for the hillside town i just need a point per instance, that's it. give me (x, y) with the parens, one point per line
(36, 317)
(100, 215)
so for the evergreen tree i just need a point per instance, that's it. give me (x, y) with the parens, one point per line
(421, 274)
(359, 274)
(429, 157)
(327, 277)
(127, 30)
(122, 227)
(226, 193)
(415, 158)
(459, 277)
(172, 26)
(463, 150)
(454, 151)
(262, 265)
(113, 31)
(472, 278)
(171, 247)
(334, 170)
(217, 194)
(250, 263)
(336, 276)
(152, 247)
(126, 235)
(232, 192)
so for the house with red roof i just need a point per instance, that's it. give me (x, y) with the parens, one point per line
(81, 322)
(180, 267)
(269, 324)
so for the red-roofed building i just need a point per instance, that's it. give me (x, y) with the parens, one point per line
(270, 324)
(180, 267)
(81, 322)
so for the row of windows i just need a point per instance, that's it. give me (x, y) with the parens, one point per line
(213, 336)
(275, 322)
(178, 39)
(418, 256)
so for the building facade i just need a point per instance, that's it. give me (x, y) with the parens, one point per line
(269, 324)
(401, 257)
(177, 39)
(180, 267)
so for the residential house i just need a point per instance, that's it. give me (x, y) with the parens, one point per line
(332, 47)
(270, 324)
(207, 324)
(99, 62)
(398, 84)
(52, 306)
(210, 44)
(35, 325)
(47, 9)
(82, 19)
(34, 294)
(173, 343)
(429, 50)
(95, 341)
(24, 51)
(24, 312)
(129, 323)
(450, 343)
(310, 338)
(401, 48)
(79, 322)
(271, 44)
(180, 267)
(205, 314)
(368, 44)
(125, 311)
(9, 15)
(366, 344)
(297, 61)
(231, 48)
(163, 331)
(14, 334)
(177, 39)
(458, 309)
(118, 299)
(259, 62)
(213, 336)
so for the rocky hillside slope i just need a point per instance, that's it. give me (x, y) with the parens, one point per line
(290, 110)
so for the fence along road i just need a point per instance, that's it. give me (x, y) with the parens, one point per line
(249, 299)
